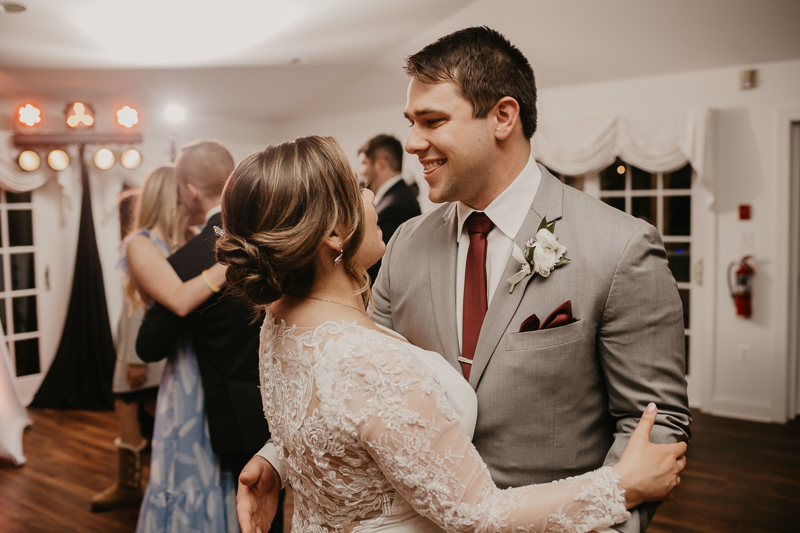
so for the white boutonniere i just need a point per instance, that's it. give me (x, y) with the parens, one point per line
(541, 255)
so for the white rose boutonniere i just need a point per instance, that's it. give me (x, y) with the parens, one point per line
(541, 255)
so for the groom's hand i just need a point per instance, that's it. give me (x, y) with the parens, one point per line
(257, 496)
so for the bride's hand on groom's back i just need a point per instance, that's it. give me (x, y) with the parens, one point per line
(650, 472)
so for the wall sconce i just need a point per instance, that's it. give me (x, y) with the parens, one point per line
(104, 159)
(29, 160)
(130, 159)
(80, 116)
(58, 160)
(127, 116)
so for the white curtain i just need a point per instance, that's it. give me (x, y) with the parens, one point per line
(12, 178)
(13, 417)
(655, 143)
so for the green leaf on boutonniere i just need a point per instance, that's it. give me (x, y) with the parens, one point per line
(561, 261)
(542, 225)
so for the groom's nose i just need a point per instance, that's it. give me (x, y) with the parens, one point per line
(416, 142)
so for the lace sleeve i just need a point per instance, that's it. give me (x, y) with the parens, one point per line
(398, 412)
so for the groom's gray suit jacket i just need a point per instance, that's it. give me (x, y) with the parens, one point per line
(557, 402)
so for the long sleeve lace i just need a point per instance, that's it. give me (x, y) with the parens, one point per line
(377, 434)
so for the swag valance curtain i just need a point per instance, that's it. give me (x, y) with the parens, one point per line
(655, 143)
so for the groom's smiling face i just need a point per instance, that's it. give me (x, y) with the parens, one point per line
(456, 150)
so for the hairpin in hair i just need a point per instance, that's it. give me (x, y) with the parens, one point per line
(219, 231)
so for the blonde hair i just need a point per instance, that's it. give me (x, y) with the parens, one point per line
(278, 207)
(158, 209)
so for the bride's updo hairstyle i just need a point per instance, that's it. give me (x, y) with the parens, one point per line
(278, 207)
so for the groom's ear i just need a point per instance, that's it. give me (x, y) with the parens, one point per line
(506, 117)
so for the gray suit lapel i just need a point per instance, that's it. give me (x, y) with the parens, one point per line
(442, 268)
(547, 203)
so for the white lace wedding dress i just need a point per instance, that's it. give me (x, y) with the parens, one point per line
(374, 435)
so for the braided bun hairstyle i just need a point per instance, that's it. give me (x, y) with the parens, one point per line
(278, 207)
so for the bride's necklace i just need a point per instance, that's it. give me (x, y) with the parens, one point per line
(335, 302)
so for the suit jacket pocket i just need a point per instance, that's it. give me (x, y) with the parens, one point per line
(532, 340)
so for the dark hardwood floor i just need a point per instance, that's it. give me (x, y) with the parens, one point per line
(741, 477)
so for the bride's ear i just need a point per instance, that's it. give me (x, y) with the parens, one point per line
(334, 241)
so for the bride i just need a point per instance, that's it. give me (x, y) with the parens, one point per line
(373, 432)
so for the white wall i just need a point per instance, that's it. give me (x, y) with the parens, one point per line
(744, 150)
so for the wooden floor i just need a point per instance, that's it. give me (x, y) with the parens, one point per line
(741, 477)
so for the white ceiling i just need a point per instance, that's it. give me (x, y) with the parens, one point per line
(279, 59)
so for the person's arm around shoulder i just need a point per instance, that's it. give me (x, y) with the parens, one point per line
(641, 350)
(153, 274)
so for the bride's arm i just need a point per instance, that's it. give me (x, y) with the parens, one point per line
(156, 278)
(406, 425)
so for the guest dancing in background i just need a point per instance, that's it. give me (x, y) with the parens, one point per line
(224, 337)
(186, 486)
(135, 384)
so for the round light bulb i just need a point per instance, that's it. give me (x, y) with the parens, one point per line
(621, 169)
(58, 160)
(104, 159)
(130, 159)
(174, 113)
(29, 160)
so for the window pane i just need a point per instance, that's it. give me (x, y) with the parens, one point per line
(685, 300)
(2, 274)
(679, 179)
(574, 181)
(679, 260)
(20, 227)
(611, 179)
(686, 360)
(18, 198)
(619, 203)
(22, 272)
(645, 208)
(3, 314)
(27, 357)
(24, 309)
(2, 242)
(641, 179)
(677, 215)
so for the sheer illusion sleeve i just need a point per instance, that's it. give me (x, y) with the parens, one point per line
(394, 408)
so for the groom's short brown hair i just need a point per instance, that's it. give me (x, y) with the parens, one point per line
(485, 67)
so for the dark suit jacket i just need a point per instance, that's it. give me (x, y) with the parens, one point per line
(397, 205)
(225, 340)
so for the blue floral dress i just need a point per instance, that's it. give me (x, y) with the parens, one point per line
(187, 491)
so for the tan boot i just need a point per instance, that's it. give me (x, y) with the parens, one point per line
(128, 490)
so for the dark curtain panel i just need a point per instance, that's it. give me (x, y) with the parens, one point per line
(81, 373)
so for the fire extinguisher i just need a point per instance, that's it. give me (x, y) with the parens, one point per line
(742, 289)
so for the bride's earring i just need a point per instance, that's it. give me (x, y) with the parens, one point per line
(338, 257)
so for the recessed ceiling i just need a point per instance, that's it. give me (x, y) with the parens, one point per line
(274, 60)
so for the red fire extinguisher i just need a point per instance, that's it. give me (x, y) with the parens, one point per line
(742, 289)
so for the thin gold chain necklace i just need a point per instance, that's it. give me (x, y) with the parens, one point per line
(335, 302)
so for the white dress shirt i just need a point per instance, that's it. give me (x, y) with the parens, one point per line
(507, 212)
(384, 188)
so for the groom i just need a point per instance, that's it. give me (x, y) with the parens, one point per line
(563, 365)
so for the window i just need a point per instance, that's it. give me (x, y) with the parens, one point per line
(18, 291)
(663, 199)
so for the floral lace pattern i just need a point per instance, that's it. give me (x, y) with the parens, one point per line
(366, 435)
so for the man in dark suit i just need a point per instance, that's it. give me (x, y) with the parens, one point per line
(395, 202)
(222, 330)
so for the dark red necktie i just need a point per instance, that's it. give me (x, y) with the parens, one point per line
(478, 226)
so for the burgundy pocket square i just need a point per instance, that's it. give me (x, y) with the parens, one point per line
(562, 316)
